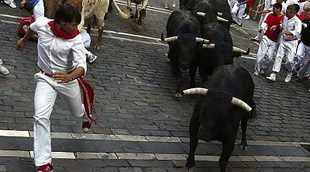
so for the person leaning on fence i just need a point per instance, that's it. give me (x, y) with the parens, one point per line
(291, 28)
(302, 57)
(62, 63)
(269, 42)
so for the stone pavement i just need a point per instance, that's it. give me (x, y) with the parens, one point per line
(141, 126)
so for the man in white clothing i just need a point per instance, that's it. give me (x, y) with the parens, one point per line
(291, 28)
(267, 8)
(269, 42)
(61, 60)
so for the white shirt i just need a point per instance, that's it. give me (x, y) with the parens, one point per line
(55, 53)
(292, 25)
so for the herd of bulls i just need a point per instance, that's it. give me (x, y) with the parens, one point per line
(198, 37)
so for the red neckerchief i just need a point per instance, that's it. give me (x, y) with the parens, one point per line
(60, 33)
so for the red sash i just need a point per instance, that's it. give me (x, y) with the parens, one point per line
(88, 97)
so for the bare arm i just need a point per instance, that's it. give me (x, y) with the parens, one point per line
(20, 44)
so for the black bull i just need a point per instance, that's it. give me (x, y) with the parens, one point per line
(217, 114)
(211, 58)
(183, 31)
(220, 8)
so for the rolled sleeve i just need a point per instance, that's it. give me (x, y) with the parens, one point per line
(41, 21)
(79, 58)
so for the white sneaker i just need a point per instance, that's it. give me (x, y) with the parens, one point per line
(10, 3)
(256, 73)
(173, 4)
(288, 77)
(166, 6)
(4, 70)
(247, 17)
(91, 58)
(272, 77)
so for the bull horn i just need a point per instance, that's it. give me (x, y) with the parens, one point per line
(120, 12)
(217, 17)
(201, 91)
(219, 14)
(221, 19)
(237, 102)
(201, 40)
(169, 39)
(201, 14)
(242, 51)
(208, 45)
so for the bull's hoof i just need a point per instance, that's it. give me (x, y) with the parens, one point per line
(190, 169)
(132, 16)
(98, 46)
(142, 13)
(244, 147)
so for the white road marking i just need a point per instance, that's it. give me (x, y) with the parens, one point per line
(152, 156)
(136, 138)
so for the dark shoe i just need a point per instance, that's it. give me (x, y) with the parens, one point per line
(45, 168)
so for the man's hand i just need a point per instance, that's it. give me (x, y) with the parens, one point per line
(20, 44)
(286, 32)
(62, 77)
(273, 28)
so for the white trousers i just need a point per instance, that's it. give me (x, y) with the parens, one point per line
(303, 60)
(265, 52)
(286, 49)
(44, 98)
(238, 10)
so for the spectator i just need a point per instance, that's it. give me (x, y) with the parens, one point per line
(62, 62)
(237, 10)
(269, 43)
(303, 51)
(3, 70)
(249, 9)
(267, 8)
(10, 3)
(291, 28)
(34, 7)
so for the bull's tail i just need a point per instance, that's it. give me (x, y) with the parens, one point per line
(121, 13)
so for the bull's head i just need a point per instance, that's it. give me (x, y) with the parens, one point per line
(213, 109)
(186, 47)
